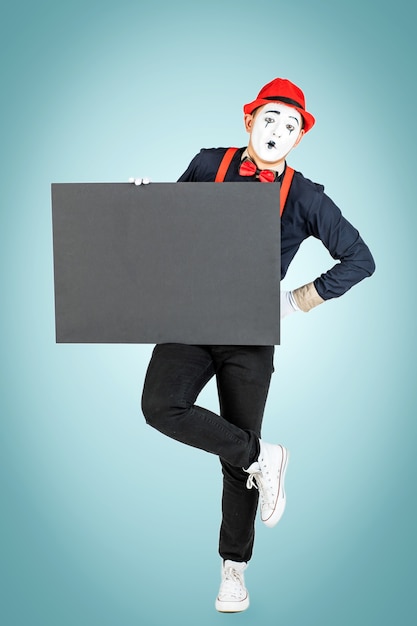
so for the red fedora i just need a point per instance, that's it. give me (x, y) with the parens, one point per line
(282, 90)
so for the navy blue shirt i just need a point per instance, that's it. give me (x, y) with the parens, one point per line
(309, 212)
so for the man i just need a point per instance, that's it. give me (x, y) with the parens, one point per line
(276, 122)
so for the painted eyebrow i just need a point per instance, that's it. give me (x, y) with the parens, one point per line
(279, 113)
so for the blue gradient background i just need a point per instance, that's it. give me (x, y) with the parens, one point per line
(104, 521)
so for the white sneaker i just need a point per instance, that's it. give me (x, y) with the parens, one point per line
(267, 474)
(233, 595)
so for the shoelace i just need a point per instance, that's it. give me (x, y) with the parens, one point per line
(256, 479)
(232, 584)
(251, 482)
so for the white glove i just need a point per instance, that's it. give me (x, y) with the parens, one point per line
(139, 181)
(288, 304)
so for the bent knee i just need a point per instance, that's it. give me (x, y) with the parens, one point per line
(152, 408)
(158, 410)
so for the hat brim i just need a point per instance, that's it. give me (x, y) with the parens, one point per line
(309, 120)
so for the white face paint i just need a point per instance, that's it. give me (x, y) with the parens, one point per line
(275, 130)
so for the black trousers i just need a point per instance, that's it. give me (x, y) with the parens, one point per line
(176, 375)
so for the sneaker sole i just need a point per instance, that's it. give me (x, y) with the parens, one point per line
(232, 607)
(278, 512)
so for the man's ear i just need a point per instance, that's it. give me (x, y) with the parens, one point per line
(248, 120)
(299, 138)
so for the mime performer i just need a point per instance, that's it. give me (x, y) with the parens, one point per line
(276, 122)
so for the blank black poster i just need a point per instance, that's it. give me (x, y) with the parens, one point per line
(195, 263)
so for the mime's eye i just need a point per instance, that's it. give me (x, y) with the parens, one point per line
(269, 120)
(290, 127)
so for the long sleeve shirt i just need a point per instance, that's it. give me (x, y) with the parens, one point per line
(309, 212)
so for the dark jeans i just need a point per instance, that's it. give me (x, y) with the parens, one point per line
(176, 375)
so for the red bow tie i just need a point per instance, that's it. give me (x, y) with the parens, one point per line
(248, 168)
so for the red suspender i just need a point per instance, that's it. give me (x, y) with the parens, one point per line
(285, 185)
(224, 165)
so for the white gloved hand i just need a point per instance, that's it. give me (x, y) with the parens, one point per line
(139, 181)
(288, 304)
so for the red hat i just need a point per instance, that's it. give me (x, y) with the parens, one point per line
(282, 90)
